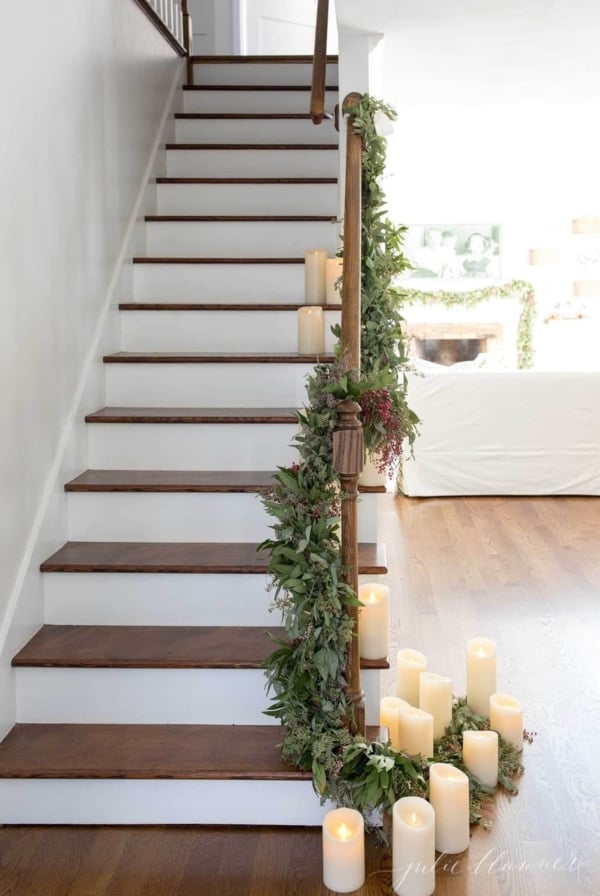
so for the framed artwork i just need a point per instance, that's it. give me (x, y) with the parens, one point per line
(454, 251)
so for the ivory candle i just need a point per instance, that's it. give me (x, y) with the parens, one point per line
(374, 621)
(314, 276)
(480, 755)
(449, 796)
(506, 717)
(388, 718)
(310, 331)
(435, 697)
(415, 731)
(413, 845)
(481, 674)
(410, 665)
(333, 272)
(343, 850)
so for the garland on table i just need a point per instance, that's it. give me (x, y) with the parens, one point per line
(520, 289)
(306, 673)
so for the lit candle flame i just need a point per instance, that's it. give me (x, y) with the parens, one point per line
(414, 819)
(372, 598)
(482, 652)
(344, 833)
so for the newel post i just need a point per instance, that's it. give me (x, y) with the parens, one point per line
(187, 40)
(348, 462)
(348, 450)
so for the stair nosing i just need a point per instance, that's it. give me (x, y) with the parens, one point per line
(217, 647)
(259, 59)
(244, 219)
(278, 147)
(243, 116)
(94, 481)
(132, 557)
(216, 358)
(275, 88)
(221, 306)
(175, 259)
(241, 181)
(200, 416)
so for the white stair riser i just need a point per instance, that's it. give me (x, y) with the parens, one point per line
(157, 599)
(253, 130)
(247, 199)
(153, 696)
(160, 599)
(208, 385)
(258, 101)
(252, 163)
(191, 446)
(127, 802)
(205, 331)
(276, 73)
(142, 516)
(219, 283)
(251, 239)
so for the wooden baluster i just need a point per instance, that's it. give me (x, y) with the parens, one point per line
(187, 40)
(348, 450)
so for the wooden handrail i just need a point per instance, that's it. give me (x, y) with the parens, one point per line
(319, 73)
(348, 436)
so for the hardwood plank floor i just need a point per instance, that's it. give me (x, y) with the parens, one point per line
(524, 571)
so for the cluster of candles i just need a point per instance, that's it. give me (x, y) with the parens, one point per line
(417, 716)
(321, 287)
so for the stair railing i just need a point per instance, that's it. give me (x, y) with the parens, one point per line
(173, 20)
(348, 445)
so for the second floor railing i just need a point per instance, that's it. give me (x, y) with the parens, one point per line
(172, 19)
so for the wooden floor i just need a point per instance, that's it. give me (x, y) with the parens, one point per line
(523, 571)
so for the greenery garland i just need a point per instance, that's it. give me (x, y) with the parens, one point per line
(520, 289)
(306, 673)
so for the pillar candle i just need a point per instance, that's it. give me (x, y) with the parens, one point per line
(449, 796)
(413, 845)
(415, 731)
(435, 697)
(480, 755)
(333, 272)
(343, 850)
(374, 621)
(310, 331)
(314, 276)
(410, 665)
(506, 717)
(481, 674)
(388, 718)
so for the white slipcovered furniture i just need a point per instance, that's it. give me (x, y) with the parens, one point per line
(521, 432)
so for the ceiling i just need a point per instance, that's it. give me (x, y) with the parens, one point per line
(502, 50)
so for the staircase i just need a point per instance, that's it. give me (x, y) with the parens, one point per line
(141, 698)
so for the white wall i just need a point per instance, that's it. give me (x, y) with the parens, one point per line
(499, 125)
(83, 93)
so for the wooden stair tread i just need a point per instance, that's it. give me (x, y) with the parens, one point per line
(191, 415)
(243, 116)
(244, 219)
(257, 58)
(200, 147)
(238, 558)
(300, 181)
(153, 647)
(175, 259)
(219, 306)
(211, 481)
(215, 358)
(210, 752)
(262, 87)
